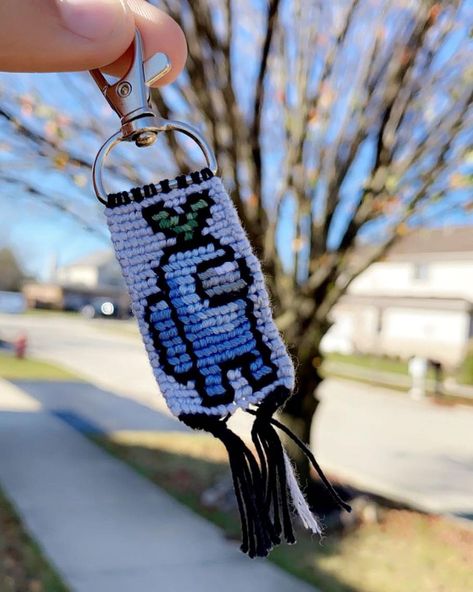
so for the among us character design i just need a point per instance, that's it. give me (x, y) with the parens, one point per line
(199, 297)
(202, 319)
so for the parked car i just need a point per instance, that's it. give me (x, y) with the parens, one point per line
(101, 307)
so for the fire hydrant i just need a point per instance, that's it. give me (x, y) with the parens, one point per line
(21, 343)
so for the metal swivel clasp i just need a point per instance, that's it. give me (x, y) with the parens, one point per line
(129, 97)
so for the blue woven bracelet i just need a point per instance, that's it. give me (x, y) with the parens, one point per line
(199, 297)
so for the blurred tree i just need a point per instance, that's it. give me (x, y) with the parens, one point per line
(11, 276)
(333, 123)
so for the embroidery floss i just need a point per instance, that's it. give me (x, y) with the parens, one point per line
(199, 297)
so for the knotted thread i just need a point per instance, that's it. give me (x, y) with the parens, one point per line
(199, 297)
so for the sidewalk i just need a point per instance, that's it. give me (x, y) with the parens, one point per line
(105, 528)
(410, 451)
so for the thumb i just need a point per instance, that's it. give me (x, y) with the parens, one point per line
(58, 35)
(62, 35)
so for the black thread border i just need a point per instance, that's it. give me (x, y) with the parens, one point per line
(138, 194)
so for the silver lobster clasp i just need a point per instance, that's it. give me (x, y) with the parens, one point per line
(129, 97)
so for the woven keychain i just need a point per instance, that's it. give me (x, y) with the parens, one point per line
(199, 297)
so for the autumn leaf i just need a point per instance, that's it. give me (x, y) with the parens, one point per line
(459, 181)
(60, 160)
(80, 180)
(298, 244)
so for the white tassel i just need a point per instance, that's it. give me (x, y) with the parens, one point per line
(298, 500)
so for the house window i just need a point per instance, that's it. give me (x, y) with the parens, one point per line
(420, 272)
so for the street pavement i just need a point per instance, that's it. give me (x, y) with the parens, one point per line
(412, 451)
(104, 527)
(114, 359)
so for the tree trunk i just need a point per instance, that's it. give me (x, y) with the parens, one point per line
(299, 411)
(298, 415)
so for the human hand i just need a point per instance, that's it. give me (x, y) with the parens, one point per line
(66, 35)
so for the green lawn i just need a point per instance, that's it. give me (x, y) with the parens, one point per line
(382, 364)
(465, 372)
(22, 565)
(367, 362)
(12, 368)
(406, 551)
(38, 312)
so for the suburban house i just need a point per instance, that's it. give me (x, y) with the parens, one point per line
(98, 270)
(75, 285)
(417, 301)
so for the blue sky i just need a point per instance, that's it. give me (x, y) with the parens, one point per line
(39, 234)
(36, 232)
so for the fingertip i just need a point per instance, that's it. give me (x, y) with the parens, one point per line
(160, 33)
(174, 45)
(119, 38)
(104, 29)
(63, 35)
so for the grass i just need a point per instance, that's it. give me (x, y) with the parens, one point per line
(406, 551)
(443, 400)
(41, 312)
(12, 368)
(465, 372)
(369, 362)
(184, 465)
(22, 565)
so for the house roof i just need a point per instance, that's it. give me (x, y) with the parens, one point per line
(425, 244)
(434, 241)
(408, 301)
(95, 259)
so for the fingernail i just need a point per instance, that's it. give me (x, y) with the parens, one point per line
(91, 19)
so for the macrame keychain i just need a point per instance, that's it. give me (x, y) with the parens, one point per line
(199, 297)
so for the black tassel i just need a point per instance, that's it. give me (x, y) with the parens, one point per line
(266, 490)
(258, 533)
(273, 467)
(307, 451)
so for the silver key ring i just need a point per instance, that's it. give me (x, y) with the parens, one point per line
(161, 126)
(129, 97)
